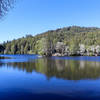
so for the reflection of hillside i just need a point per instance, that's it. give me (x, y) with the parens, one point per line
(4, 57)
(66, 69)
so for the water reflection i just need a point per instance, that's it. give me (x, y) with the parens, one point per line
(65, 69)
(1, 57)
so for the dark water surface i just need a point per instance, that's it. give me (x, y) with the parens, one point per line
(28, 77)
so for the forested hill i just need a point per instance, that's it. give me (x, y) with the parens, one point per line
(61, 42)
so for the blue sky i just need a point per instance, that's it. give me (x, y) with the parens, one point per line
(37, 16)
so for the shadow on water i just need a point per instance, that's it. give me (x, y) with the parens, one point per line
(30, 96)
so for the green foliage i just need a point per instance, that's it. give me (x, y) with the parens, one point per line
(45, 43)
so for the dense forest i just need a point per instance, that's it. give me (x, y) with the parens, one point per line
(68, 41)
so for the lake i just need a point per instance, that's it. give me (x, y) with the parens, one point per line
(29, 77)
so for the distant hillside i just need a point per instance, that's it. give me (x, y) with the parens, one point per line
(61, 42)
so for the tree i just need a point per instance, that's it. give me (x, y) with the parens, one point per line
(22, 49)
(74, 47)
(97, 49)
(13, 49)
(5, 5)
(60, 47)
(46, 48)
(49, 47)
(82, 49)
(1, 49)
(26, 49)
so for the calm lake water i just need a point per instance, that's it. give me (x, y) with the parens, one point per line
(28, 77)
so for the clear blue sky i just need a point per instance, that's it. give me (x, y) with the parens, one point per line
(37, 16)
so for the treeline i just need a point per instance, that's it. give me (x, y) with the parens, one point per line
(61, 42)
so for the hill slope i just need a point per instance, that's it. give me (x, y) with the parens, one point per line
(66, 41)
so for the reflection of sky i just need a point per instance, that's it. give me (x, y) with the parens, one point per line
(19, 81)
(25, 58)
(18, 58)
(14, 80)
(84, 58)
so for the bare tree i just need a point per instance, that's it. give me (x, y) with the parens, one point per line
(5, 5)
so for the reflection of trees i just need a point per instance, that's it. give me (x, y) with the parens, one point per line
(4, 57)
(66, 69)
(1, 63)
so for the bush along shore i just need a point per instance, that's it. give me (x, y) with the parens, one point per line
(79, 50)
(62, 50)
(68, 41)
